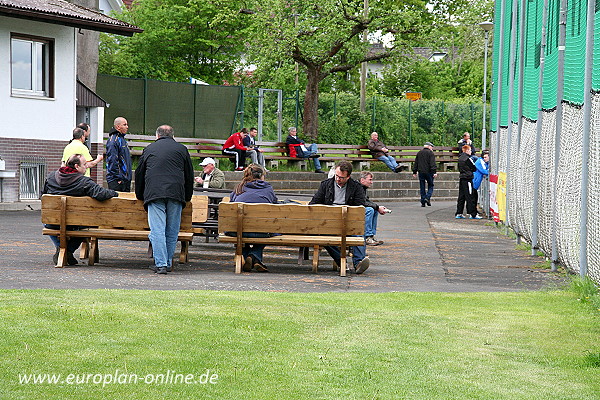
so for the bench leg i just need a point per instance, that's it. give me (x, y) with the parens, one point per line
(150, 254)
(239, 259)
(316, 252)
(343, 261)
(84, 252)
(93, 251)
(62, 258)
(300, 255)
(183, 254)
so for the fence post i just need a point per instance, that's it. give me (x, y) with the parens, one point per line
(297, 107)
(145, 103)
(560, 88)
(409, 122)
(587, 114)
(373, 115)
(540, 119)
(195, 111)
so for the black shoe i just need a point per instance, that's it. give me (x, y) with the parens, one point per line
(314, 156)
(55, 256)
(154, 268)
(169, 269)
(422, 204)
(398, 169)
(319, 171)
(258, 266)
(71, 260)
(161, 270)
(247, 266)
(428, 202)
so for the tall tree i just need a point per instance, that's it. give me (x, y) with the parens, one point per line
(181, 39)
(324, 37)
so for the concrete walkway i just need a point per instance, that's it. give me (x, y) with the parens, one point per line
(425, 249)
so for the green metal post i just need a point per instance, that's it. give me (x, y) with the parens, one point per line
(472, 121)
(195, 111)
(145, 104)
(373, 115)
(297, 107)
(410, 122)
(334, 105)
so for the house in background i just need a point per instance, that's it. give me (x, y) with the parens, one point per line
(39, 89)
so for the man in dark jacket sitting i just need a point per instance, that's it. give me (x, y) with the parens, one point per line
(343, 190)
(303, 150)
(164, 180)
(71, 181)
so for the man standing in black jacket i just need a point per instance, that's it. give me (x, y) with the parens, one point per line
(164, 180)
(427, 168)
(343, 190)
(118, 157)
(71, 181)
(466, 167)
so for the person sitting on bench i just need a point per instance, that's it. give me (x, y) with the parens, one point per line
(71, 181)
(298, 148)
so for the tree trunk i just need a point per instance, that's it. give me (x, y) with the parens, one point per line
(310, 124)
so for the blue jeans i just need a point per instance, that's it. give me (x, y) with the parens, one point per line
(358, 253)
(310, 150)
(425, 195)
(389, 161)
(72, 244)
(370, 221)
(164, 217)
(255, 250)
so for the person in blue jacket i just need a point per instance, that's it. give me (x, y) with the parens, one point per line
(482, 165)
(254, 189)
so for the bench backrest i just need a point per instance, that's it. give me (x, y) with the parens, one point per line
(199, 208)
(292, 219)
(115, 213)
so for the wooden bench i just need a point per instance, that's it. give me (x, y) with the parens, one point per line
(119, 218)
(446, 157)
(298, 225)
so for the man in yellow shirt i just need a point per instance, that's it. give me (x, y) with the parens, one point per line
(76, 146)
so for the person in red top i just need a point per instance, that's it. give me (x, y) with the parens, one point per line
(234, 148)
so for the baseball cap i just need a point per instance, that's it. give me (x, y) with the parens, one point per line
(208, 160)
(428, 144)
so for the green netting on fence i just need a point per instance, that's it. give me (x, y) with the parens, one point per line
(192, 110)
(574, 57)
(575, 52)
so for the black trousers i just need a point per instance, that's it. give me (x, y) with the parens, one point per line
(465, 194)
(124, 186)
(239, 155)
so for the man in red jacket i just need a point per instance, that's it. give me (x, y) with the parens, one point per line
(234, 148)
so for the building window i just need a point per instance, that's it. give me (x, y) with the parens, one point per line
(32, 66)
(32, 173)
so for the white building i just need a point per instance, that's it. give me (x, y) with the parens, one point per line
(39, 88)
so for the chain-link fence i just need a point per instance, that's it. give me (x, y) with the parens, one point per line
(550, 160)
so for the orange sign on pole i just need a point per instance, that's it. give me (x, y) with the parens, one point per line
(414, 96)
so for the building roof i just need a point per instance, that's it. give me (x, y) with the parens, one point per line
(86, 97)
(62, 12)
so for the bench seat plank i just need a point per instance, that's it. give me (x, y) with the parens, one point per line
(297, 225)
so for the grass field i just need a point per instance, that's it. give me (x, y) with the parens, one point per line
(526, 345)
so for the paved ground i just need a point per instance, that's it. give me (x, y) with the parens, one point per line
(425, 249)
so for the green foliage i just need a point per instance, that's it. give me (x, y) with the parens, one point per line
(584, 288)
(181, 39)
